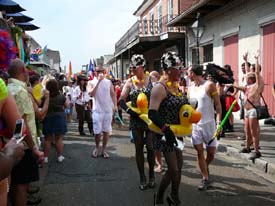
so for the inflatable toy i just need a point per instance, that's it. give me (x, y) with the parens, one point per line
(3, 90)
(187, 114)
(142, 104)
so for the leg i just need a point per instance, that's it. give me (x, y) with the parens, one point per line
(104, 144)
(3, 192)
(80, 113)
(47, 144)
(158, 161)
(97, 127)
(173, 175)
(248, 134)
(150, 157)
(19, 194)
(201, 160)
(210, 156)
(97, 141)
(139, 144)
(255, 131)
(59, 144)
(88, 119)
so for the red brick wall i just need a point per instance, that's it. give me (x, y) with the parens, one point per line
(186, 4)
(164, 8)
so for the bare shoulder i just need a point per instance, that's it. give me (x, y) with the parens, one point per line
(158, 91)
(211, 86)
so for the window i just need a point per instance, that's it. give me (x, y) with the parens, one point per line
(145, 25)
(152, 21)
(160, 18)
(207, 52)
(170, 9)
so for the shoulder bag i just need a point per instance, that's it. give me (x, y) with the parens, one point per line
(262, 110)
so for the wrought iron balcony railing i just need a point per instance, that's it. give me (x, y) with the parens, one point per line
(146, 28)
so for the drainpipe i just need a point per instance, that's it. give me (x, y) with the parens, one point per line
(186, 48)
(121, 66)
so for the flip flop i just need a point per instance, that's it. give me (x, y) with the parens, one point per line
(94, 153)
(105, 155)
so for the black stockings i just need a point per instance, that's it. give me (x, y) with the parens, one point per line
(173, 175)
(139, 140)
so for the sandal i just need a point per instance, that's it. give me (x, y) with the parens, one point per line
(105, 155)
(94, 153)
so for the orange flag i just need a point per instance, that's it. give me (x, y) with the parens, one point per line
(70, 72)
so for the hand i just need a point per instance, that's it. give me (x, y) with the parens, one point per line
(38, 154)
(100, 76)
(14, 150)
(132, 113)
(245, 56)
(115, 109)
(257, 54)
(79, 96)
(170, 138)
(46, 93)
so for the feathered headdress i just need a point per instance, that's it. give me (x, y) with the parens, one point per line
(7, 50)
(219, 74)
(137, 60)
(171, 60)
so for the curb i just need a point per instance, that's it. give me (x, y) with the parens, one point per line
(260, 163)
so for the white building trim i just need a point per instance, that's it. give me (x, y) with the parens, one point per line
(230, 32)
(266, 19)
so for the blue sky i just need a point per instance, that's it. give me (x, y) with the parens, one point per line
(81, 29)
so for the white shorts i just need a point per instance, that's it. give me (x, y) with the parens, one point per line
(251, 113)
(203, 133)
(102, 122)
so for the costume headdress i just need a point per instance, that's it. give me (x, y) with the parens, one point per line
(137, 60)
(7, 50)
(171, 60)
(219, 74)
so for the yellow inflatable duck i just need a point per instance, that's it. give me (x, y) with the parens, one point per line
(188, 115)
(142, 104)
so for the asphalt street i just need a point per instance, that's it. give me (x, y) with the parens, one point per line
(84, 181)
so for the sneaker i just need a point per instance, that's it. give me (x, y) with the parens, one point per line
(60, 158)
(255, 155)
(46, 160)
(204, 185)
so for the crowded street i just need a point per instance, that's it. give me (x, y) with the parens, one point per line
(137, 103)
(82, 180)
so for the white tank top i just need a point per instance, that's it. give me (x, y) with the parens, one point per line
(205, 102)
(102, 100)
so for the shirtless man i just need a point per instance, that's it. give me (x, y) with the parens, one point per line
(252, 91)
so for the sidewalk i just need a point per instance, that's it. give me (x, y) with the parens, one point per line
(231, 145)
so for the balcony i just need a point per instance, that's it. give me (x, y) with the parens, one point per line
(150, 30)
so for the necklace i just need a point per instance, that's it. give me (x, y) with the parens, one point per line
(174, 86)
(137, 81)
